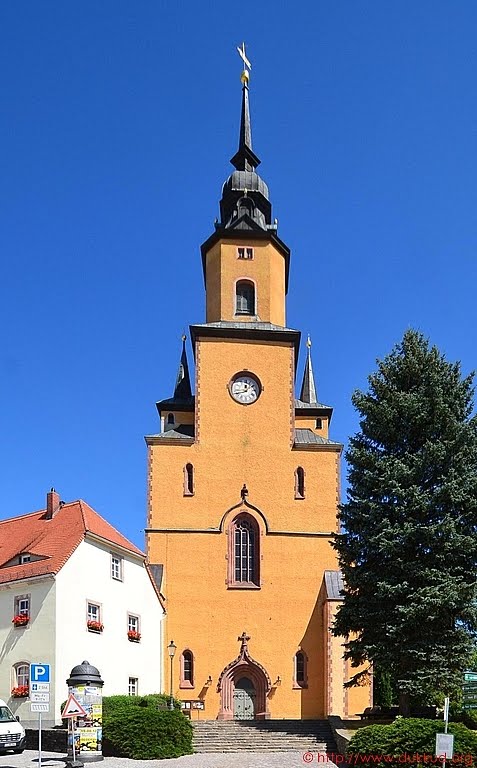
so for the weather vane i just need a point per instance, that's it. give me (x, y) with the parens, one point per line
(245, 76)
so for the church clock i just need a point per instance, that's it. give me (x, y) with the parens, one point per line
(245, 388)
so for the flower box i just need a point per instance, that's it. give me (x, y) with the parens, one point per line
(94, 626)
(20, 692)
(21, 620)
(133, 636)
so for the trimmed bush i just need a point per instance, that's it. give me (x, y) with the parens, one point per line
(410, 736)
(144, 728)
(112, 704)
(146, 733)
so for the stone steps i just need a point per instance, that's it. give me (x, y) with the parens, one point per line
(263, 736)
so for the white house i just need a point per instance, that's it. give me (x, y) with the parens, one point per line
(72, 588)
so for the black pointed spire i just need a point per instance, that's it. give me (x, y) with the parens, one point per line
(245, 159)
(183, 389)
(245, 202)
(308, 390)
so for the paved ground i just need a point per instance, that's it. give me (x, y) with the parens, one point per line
(29, 759)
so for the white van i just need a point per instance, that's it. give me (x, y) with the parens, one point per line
(12, 733)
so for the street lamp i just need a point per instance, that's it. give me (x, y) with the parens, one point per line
(172, 650)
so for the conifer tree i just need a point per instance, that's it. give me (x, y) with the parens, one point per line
(408, 541)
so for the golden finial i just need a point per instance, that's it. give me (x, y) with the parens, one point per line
(308, 342)
(245, 76)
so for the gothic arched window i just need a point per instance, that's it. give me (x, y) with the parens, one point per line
(244, 298)
(300, 678)
(187, 669)
(244, 555)
(299, 483)
(188, 480)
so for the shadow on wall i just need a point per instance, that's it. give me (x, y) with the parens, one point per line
(313, 644)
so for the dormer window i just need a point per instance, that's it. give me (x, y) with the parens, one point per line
(25, 558)
(245, 253)
(245, 298)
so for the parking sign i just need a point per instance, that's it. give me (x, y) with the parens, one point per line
(39, 673)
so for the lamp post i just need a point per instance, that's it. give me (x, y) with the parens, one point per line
(172, 650)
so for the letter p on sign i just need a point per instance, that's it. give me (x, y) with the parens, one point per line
(39, 673)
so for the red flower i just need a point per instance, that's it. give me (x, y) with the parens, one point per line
(134, 636)
(21, 619)
(96, 626)
(20, 692)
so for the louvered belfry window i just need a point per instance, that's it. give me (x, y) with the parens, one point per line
(245, 298)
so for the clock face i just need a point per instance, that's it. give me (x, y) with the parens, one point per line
(245, 388)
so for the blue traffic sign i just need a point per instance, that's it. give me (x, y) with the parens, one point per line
(39, 673)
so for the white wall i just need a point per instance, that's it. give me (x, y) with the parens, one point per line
(87, 576)
(33, 643)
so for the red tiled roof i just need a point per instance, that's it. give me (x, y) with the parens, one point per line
(53, 540)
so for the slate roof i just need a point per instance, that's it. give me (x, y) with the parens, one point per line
(176, 404)
(299, 404)
(155, 574)
(334, 585)
(182, 431)
(156, 571)
(253, 326)
(308, 437)
(54, 540)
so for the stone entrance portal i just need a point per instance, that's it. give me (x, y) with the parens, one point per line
(243, 687)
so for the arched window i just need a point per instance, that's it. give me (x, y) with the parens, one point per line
(244, 298)
(244, 556)
(170, 418)
(300, 679)
(21, 678)
(187, 669)
(188, 480)
(299, 483)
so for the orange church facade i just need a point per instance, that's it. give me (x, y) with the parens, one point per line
(243, 488)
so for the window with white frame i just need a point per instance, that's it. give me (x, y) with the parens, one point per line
(116, 567)
(244, 253)
(94, 612)
(133, 623)
(21, 675)
(133, 686)
(22, 605)
(25, 558)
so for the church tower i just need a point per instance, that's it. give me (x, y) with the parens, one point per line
(243, 487)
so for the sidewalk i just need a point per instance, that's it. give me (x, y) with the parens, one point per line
(29, 759)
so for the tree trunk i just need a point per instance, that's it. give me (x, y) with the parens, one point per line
(404, 704)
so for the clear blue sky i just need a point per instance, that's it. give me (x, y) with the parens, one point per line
(118, 120)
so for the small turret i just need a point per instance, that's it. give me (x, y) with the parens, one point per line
(183, 389)
(308, 390)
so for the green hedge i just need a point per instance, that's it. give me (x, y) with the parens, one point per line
(144, 728)
(409, 736)
(147, 733)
